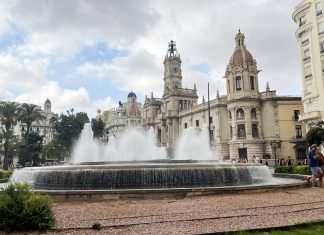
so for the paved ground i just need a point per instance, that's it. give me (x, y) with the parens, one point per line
(195, 215)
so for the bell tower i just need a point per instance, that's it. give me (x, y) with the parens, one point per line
(172, 69)
(244, 110)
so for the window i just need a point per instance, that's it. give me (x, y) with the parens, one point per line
(197, 122)
(302, 20)
(253, 113)
(212, 135)
(308, 72)
(320, 26)
(238, 83)
(185, 125)
(231, 132)
(241, 131)
(306, 54)
(210, 119)
(228, 84)
(240, 113)
(298, 130)
(322, 47)
(304, 37)
(318, 7)
(255, 131)
(296, 115)
(252, 82)
(23, 129)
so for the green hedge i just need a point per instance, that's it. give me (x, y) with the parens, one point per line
(5, 174)
(21, 209)
(300, 170)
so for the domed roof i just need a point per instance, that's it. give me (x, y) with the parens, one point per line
(241, 55)
(131, 94)
(47, 101)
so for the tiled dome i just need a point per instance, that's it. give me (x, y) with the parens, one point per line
(241, 55)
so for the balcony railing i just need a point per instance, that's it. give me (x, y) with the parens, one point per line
(295, 139)
(319, 12)
(308, 76)
(310, 115)
(306, 58)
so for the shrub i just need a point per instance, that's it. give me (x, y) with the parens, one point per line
(21, 209)
(300, 170)
(5, 174)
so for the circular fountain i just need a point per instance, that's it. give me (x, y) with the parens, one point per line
(133, 165)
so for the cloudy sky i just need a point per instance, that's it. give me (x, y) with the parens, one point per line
(88, 55)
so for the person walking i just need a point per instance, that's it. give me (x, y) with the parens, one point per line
(313, 160)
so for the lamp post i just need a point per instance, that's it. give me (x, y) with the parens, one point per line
(275, 144)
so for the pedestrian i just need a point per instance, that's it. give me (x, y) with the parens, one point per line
(289, 163)
(314, 164)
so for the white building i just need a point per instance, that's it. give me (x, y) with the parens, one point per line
(128, 114)
(310, 37)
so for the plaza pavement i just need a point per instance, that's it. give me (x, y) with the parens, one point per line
(192, 215)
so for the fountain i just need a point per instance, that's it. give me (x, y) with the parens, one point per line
(132, 163)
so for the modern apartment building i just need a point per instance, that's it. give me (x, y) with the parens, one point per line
(309, 17)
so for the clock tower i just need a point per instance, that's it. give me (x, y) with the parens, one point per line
(172, 69)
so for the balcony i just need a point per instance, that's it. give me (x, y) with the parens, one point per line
(306, 58)
(308, 76)
(296, 139)
(310, 115)
(319, 12)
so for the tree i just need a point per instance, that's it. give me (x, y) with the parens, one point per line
(28, 114)
(35, 148)
(316, 135)
(67, 128)
(9, 112)
(98, 127)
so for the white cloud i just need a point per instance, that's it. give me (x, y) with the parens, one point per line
(65, 99)
(138, 72)
(56, 31)
(21, 74)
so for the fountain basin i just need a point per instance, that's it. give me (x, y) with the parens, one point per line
(143, 175)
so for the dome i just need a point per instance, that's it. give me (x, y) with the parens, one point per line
(131, 94)
(241, 55)
(47, 101)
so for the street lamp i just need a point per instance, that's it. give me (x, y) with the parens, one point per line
(275, 144)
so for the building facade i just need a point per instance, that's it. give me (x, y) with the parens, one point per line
(244, 123)
(128, 114)
(310, 37)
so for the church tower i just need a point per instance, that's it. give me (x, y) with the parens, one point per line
(172, 69)
(47, 106)
(243, 102)
(175, 99)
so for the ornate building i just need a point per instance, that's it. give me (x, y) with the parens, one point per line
(42, 127)
(244, 123)
(128, 114)
(310, 37)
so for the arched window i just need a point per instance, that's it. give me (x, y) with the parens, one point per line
(240, 113)
(253, 113)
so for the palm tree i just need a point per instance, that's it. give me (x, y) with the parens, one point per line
(8, 117)
(28, 114)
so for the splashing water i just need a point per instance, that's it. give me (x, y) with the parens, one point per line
(194, 144)
(132, 145)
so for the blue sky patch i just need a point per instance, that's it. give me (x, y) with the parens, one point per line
(203, 68)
